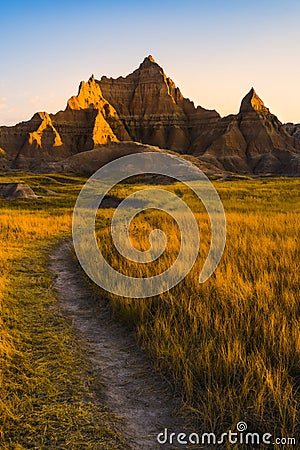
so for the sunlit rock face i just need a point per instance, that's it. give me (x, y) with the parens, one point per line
(147, 107)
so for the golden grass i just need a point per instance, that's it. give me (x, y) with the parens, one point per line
(44, 401)
(232, 345)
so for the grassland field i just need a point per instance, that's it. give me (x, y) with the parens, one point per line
(230, 347)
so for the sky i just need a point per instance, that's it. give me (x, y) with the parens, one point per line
(214, 51)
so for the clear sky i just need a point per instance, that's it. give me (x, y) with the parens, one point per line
(214, 50)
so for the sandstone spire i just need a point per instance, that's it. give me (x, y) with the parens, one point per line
(148, 61)
(252, 102)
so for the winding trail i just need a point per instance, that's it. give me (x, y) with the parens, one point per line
(130, 387)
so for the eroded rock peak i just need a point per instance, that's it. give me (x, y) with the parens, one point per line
(252, 102)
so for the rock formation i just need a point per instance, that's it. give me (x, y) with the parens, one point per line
(88, 120)
(293, 129)
(153, 109)
(11, 191)
(147, 107)
(253, 141)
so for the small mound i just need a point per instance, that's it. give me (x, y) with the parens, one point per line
(88, 162)
(16, 190)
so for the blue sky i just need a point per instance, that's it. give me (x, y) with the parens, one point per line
(215, 51)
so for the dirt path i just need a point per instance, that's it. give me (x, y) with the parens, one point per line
(132, 390)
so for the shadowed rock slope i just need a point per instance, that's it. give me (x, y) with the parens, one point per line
(293, 129)
(148, 108)
(253, 141)
(88, 162)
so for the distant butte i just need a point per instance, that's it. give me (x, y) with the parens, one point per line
(147, 107)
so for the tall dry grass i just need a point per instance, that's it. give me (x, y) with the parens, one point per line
(231, 346)
(18, 231)
(45, 402)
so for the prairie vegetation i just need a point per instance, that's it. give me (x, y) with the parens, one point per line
(230, 346)
(44, 400)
